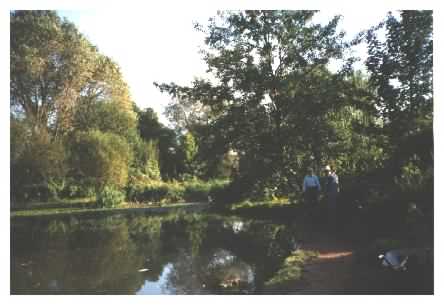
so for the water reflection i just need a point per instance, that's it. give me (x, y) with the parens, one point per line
(158, 286)
(174, 254)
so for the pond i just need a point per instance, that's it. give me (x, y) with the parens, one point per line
(138, 254)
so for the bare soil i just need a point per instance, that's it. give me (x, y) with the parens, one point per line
(337, 270)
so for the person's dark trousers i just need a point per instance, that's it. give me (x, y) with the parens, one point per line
(311, 200)
(332, 210)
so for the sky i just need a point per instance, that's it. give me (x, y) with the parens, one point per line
(163, 46)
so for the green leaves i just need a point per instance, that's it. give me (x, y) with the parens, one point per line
(401, 68)
(109, 197)
(101, 157)
(106, 117)
(272, 91)
(53, 68)
(64, 90)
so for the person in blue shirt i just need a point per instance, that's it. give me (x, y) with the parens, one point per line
(311, 187)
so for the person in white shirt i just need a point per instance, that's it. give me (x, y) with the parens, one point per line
(311, 187)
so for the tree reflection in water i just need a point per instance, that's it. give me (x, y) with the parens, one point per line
(178, 254)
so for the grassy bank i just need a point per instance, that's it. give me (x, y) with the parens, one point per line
(290, 271)
(278, 209)
(91, 211)
(139, 195)
(60, 203)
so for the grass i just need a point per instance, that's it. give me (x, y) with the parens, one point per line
(145, 190)
(125, 207)
(291, 269)
(53, 211)
(282, 209)
(247, 204)
(86, 202)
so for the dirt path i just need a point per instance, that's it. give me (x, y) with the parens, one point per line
(338, 271)
(332, 270)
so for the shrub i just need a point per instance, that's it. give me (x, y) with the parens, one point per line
(196, 191)
(228, 193)
(106, 116)
(78, 188)
(35, 160)
(142, 189)
(109, 197)
(36, 192)
(101, 157)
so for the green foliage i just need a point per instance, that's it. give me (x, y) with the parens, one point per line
(272, 97)
(413, 179)
(148, 124)
(415, 187)
(19, 137)
(152, 160)
(197, 190)
(54, 68)
(36, 162)
(103, 158)
(171, 160)
(401, 68)
(144, 190)
(274, 109)
(164, 154)
(401, 71)
(189, 147)
(291, 269)
(109, 197)
(76, 188)
(62, 89)
(44, 47)
(145, 158)
(106, 117)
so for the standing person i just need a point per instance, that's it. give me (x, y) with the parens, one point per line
(311, 188)
(331, 192)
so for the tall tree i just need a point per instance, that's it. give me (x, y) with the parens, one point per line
(148, 124)
(271, 88)
(401, 71)
(60, 84)
(54, 67)
(401, 67)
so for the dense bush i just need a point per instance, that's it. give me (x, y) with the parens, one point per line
(196, 191)
(102, 158)
(106, 116)
(109, 197)
(36, 161)
(228, 193)
(147, 158)
(142, 189)
(36, 192)
(73, 188)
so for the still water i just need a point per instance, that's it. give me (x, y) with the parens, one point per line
(170, 254)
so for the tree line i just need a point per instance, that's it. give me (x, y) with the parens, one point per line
(274, 98)
(272, 108)
(74, 126)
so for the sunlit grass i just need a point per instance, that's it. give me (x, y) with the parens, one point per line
(82, 202)
(89, 210)
(291, 269)
(54, 211)
(276, 202)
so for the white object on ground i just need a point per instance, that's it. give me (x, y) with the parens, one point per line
(394, 259)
